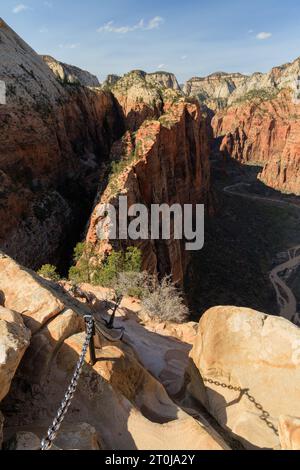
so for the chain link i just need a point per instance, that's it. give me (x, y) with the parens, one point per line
(264, 416)
(66, 402)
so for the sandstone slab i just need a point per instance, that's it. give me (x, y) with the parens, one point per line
(257, 354)
(14, 339)
(289, 433)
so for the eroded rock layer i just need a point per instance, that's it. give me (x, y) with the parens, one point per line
(53, 139)
(165, 161)
(264, 132)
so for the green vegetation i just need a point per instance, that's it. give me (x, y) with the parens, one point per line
(89, 268)
(82, 271)
(265, 94)
(117, 168)
(118, 262)
(122, 271)
(49, 272)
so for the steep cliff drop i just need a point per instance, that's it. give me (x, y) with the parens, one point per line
(55, 135)
(164, 161)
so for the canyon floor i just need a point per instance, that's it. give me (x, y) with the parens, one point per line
(254, 228)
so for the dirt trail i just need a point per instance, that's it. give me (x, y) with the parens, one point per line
(286, 299)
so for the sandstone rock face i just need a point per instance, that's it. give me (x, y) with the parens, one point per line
(142, 95)
(122, 404)
(214, 91)
(266, 133)
(79, 436)
(167, 163)
(289, 433)
(69, 74)
(220, 89)
(164, 80)
(53, 139)
(14, 339)
(27, 293)
(110, 81)
(242, 348)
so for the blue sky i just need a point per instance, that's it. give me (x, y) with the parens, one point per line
(189, 38)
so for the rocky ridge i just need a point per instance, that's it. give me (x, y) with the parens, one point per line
(69, 74)
(221, 89)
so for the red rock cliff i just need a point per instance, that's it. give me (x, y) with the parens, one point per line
(167, 163)
(53, 138)
(266, 132)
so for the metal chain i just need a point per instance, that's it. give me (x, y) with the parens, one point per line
(47, 442)
(264, 416)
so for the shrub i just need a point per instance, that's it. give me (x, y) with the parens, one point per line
(118, 262)
(83, 252)
(164, 301)
(133, 284)
(107, 274)
(49, 272)
(89, 268)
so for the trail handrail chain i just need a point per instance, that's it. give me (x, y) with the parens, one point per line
(53, 430)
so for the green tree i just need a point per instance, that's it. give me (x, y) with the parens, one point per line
(82, 271)
(49, 272)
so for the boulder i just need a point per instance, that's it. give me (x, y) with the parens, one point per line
(14, 339)
(79, 436)
(289, 433)
(245, 368)
(23, 440)
(27, 293)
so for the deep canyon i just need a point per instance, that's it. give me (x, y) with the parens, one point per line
(61, 130)
(69, 144)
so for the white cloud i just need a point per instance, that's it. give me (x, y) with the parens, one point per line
(161, 66)
(155, 22)
(19, 8)
(69, 46)
(183, 57)
(263, 35)
(110, 27)
(43, 30)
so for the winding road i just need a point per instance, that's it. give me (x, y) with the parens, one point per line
(286, 299)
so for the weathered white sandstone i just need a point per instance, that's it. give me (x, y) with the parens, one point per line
(222, 89)
(70, 74)
(243, 348)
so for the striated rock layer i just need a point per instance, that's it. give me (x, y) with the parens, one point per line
(53, 139)
(264, 132)
(165, 161)
(220, 90)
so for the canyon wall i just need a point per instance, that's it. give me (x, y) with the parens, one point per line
(165, 161)
(54, 138)
(264, 132)
(257, 117)
(220, 90)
